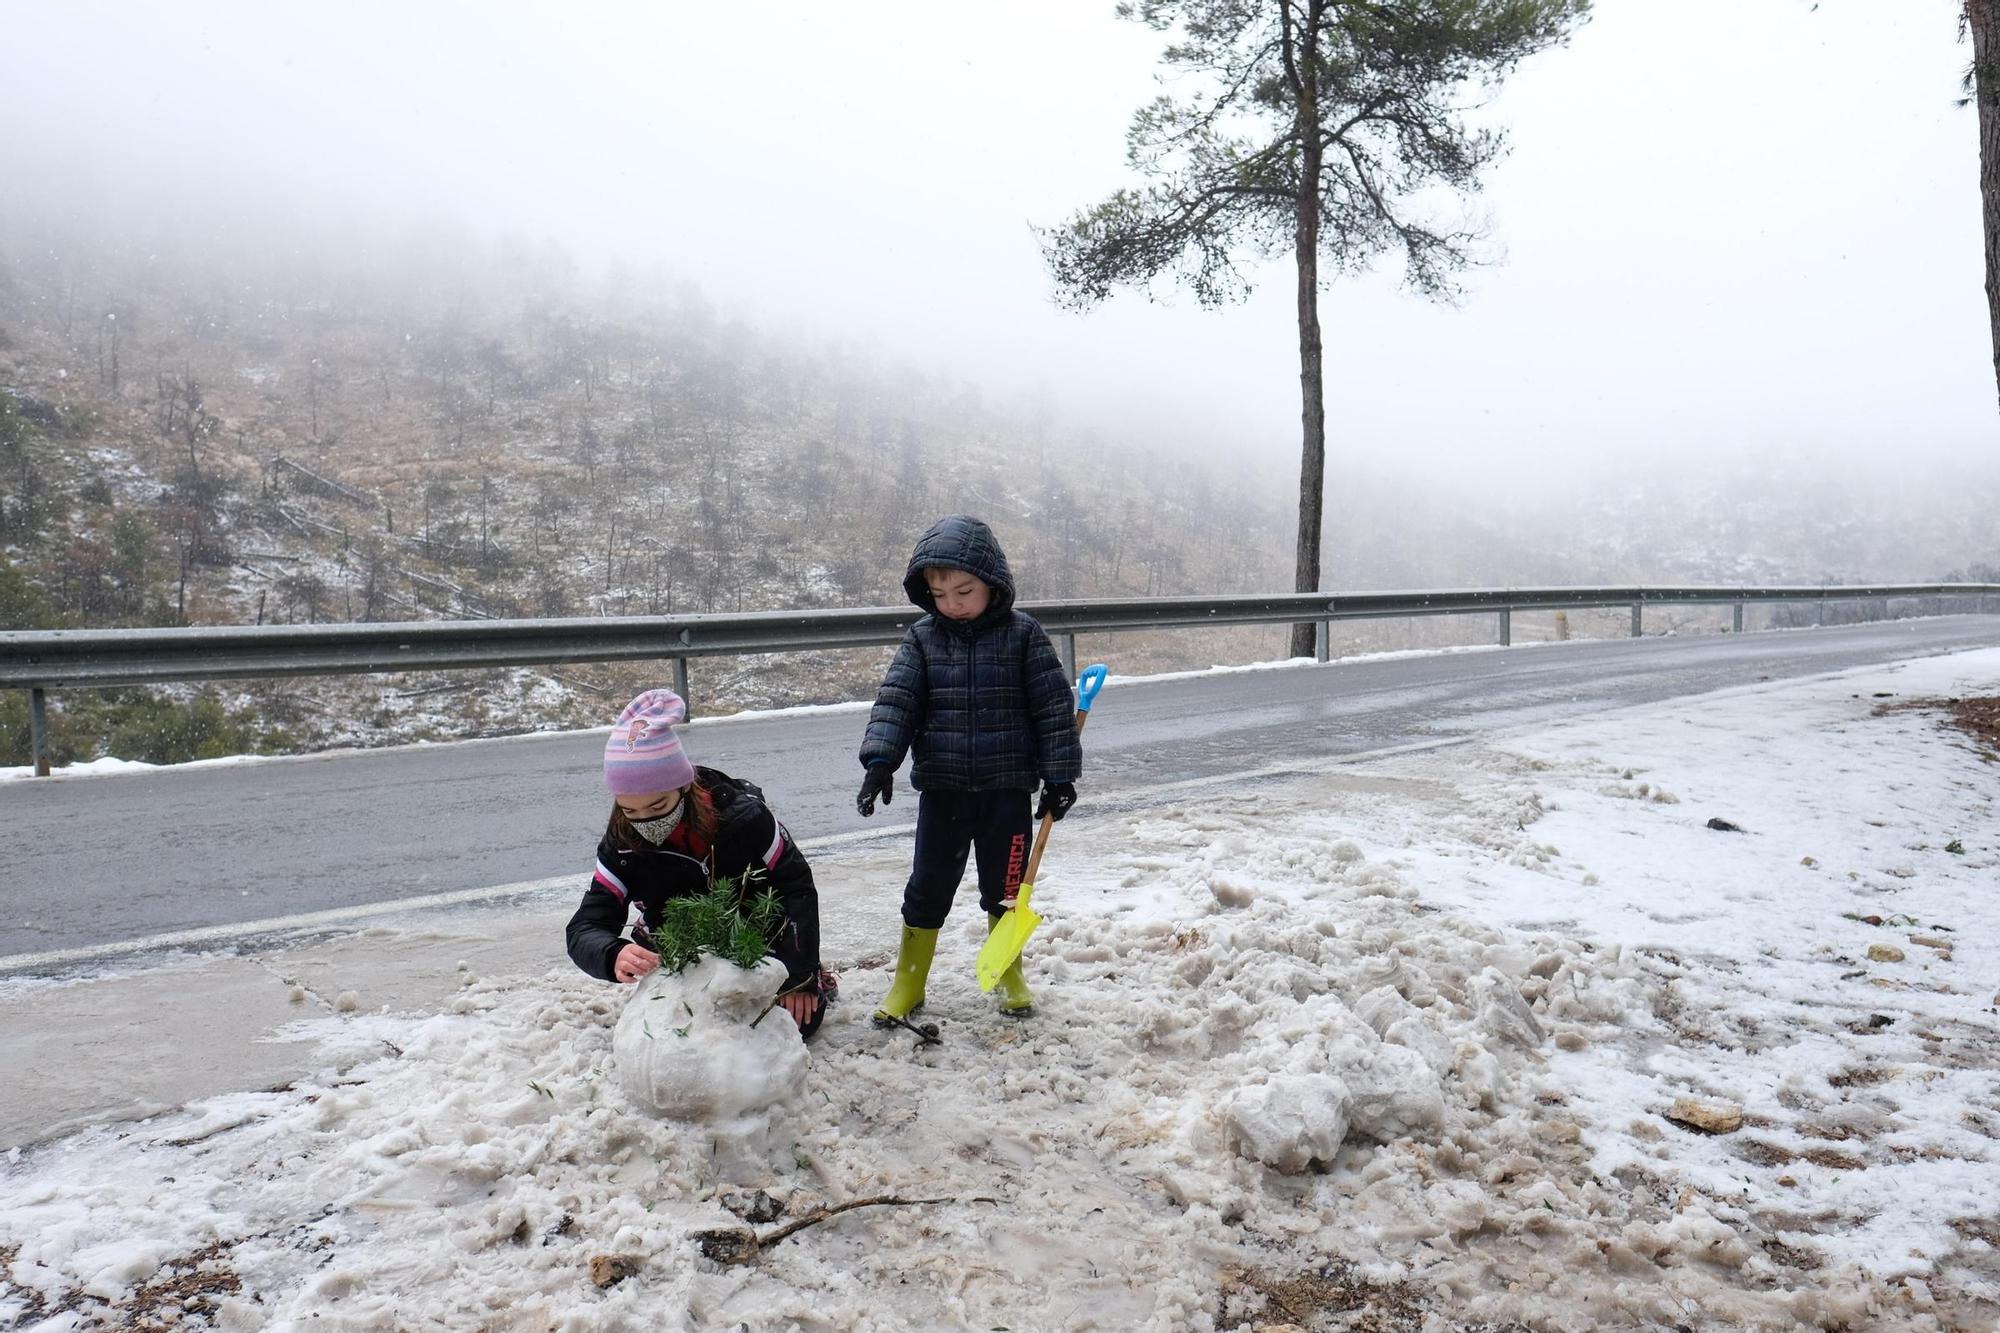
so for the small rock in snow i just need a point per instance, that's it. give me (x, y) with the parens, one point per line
(753, 1206)
(609, 1269)
(1884, 953)
(1229, 893)
(1706, 1116)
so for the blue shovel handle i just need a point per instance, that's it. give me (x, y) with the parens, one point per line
(1089, 684)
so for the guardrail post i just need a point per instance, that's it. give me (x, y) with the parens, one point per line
(1323, 641)
(1506, 626)
(1819, 613)
(1069, 658)
(1736, 620)
(38, 730)
(681, 683)
(1638, 626)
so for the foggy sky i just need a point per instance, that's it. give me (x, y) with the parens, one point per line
(1741, 225)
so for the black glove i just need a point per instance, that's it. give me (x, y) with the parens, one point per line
(1057, 798)
(881, 781)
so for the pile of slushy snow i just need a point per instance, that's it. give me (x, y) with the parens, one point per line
(1387, 1047)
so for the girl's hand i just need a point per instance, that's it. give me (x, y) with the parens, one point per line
(634, 961)
(800, 1006)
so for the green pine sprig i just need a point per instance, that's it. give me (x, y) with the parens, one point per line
(725, 922)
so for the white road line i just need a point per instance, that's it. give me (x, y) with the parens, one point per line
(210, 935)
(1322, 764)
(303, 921)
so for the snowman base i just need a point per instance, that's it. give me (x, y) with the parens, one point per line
(685, 1050)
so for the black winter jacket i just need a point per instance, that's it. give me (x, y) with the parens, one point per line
(985, 704)
(748, 838)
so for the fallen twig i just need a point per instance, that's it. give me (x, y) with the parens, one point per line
(776, 999)
(739, 1245)
(927, 1035)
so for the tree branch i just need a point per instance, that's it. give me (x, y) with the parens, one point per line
(739, 1245)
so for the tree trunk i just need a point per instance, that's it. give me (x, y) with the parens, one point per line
(1312, 399)
(1312, 452)
(1983, 18)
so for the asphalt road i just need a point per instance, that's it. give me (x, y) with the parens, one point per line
(91, 861)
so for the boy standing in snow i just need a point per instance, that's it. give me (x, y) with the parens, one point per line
(977, 691)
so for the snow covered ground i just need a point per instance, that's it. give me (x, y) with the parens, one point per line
(1388, 1045)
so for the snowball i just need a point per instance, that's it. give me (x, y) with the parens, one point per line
(1419, 1035)
(1381, 1007)
(1291, 1122)
(1395, 1019)
(1478, 1074)
(1393, 1093)
(684, 1048)
(1503, 1013)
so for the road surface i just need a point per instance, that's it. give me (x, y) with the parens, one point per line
(91, 861)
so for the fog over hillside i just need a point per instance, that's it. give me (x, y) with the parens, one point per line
(310, 318)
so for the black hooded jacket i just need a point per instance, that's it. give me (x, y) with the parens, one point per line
(985, 704)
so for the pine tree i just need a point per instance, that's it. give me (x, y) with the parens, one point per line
(1319, 128)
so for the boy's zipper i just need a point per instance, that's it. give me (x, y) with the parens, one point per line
(972, 702)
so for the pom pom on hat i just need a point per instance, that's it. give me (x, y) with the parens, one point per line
(642, 754)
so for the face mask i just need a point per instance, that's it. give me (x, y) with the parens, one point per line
(657, 829)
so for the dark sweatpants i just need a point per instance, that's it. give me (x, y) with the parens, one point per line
(953, 823)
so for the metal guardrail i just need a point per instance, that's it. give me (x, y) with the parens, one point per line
(41, 660)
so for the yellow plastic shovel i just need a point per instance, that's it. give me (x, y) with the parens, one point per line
(1018, 922)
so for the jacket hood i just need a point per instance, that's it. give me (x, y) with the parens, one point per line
(961, 542)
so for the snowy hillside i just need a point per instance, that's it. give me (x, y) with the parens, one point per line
(469, 431)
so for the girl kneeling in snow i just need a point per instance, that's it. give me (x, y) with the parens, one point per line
(674, 830)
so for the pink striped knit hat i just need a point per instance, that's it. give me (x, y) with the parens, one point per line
(643, 755)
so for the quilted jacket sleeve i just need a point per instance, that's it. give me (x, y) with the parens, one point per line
(1051, 710)
(597, 931)
(759, 847)
(899, 706)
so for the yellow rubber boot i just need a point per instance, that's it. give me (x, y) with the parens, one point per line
(913, 968)
(1016, 1000)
